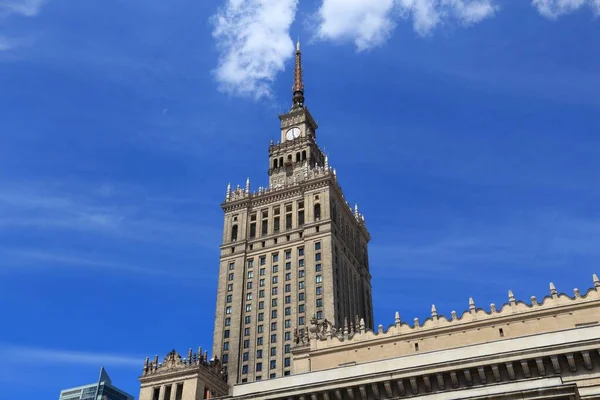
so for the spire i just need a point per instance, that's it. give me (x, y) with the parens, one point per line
(298, 88)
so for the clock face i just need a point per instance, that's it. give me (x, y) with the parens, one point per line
(293, 133)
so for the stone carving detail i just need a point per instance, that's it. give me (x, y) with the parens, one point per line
(173, 362)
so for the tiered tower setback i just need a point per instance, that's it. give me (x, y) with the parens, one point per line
(291, 252)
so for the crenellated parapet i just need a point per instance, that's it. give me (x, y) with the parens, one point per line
(173, 362)
(322, 334)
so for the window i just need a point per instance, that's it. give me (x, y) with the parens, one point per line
(318, 257)
(319, 290)
(317, 212)
(261, 316)
(301, 285)
(301, 217)
(258, 367)
(301, 263)
(288, 299)
(288, 311)
(301, 321)
(273, 326)
(246, 331)
(276, 224)
(228, 310)
(262, 272)
(226, 333)
(259, 329)
(259, 341)
(249, 285)
(273, 314)
(261, 293)
(273, 338)
(250, 274)
(319, 314)
(247, 319)
(227, 321)
(288, 288)
(229, 297)
(234, 233)
(258, 378)
(258, 353)
(288, 254)
(273, 365)
(245, 356)
(244, 369)
(231, 276)
(319, 302)
(275, 269)
(286, 373)
(248, 296)
(287, 335)
(275, 257)
(274, 290)
(319, 278)
(288, 221)
(288, 276)
(225, 358)
(265, 227)
(317, 245)
(318, 267)
(275, 279)
(261, 305)
(231, 266)
(272, 376)
(261, 282)
(300, 251)
(230, 287)
(273, 351)
(288, 266)
(250, 262)
(288, 323)
(273, 302)
(248, 307)
(301, 308)
(286, 362)
(301, 274)
(301, 296)
(225, 346)
(253, 230)
(246, 343)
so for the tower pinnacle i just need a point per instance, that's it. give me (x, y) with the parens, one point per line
(298, 88)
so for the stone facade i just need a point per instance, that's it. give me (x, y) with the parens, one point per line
(177, 378)
(290, 252)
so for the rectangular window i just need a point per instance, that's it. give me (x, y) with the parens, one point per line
(301, 263)
(261, 282)
(247, 319)
(226, 334)
(288, 276)
(246, 343)
(263, 260)
(319, 314)
(319, 302)
(287, 335)
(248, 296)
(250, 262)
(261, 293)
(287, 349)
(288, 254)
(253, 230)
(273, 313)
(228, 299)
(318, 267)
(273, 326)
(272, 376)
(319, 290)
(262, 272)
(273, 351)
(274, 291)
(230, 287)
(273, 365)
(301, 285)
(301, 308)
(258, 353)
(258, 367)
(273, 338)
(228, 310)
(275, 257)
(225, 358)
(231, 266)
(300, 217)
(318, 257)
(259, 341)
(261, 305)
(288, 323)
(261, 316)
(249, 285)
(246, 331)
(288, 311)
(244, 369)
(231, 276)
(317, 245)
(286, 362)
(319, 278)
(300, 251)
(265, 227)
(301, 321)
(245, 356)
(288, 221)
(301, 296)
(250, 274)
(273, 302)
(288, 266)
(301, 274)
(259, 329)
(288, 288)
(288, 299)
(227, 321)
(275, 269)
(275, 279)
(276, 224)
(225, 346)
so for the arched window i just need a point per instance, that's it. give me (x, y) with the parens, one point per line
(317, 212)
(234, 233)
(275, 163)
(281, 161)
(297, 157)
(304, 155)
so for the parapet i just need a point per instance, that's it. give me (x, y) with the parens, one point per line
(173, 362)
(322, 335)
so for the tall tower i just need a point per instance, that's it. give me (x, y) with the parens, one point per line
(291, 252)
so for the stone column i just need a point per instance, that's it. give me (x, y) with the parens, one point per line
(174, 391)
(161, 394)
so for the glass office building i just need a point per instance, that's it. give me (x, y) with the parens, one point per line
(101, 390)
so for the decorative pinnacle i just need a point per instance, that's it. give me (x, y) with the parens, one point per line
(433, 311)
(248, 185)
(228, 194)
(471, 303)
(298, 88)
(553, 291)
(596, 280)
(397, 318)
(511, 296)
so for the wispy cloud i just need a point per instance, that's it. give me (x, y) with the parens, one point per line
(27, 8)
(370, 23)
(555, 8)
(29, 355)
(254, 41)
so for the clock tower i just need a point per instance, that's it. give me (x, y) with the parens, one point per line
(297, 152)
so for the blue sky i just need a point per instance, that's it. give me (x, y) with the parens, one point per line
(467, 132)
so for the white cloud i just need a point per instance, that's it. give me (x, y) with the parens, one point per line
(21, 354)
(27, 8)
(555, 8)
(253, 39)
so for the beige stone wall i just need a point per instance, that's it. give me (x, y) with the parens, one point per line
(515, 319)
